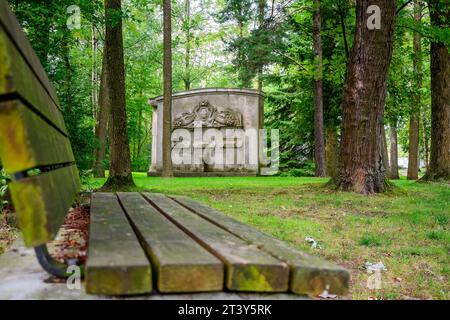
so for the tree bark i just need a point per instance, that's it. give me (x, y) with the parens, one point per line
(187, 77)
(331, 151)
(384, 154)
(361, 169)
(319, 143)
(167, 170)
(120, 163)
(439, 168)
(426, 142)
(101, 126)
(394, 153)
(94, 74)
(413, 150)
(261, 15)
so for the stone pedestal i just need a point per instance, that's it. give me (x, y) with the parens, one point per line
(215, 132)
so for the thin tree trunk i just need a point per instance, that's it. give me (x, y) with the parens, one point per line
(120, 162)
(101, 126)
(138, 142)
(261, 14)
(394, 153)
(167, 170)
(187, 80)
(439, 168)
(413, 150)
(426, 142)
(94, 76)
(68, 94)
(342, 13)
(361, 169)
(319, 143)
(385, 154)
(331, 151)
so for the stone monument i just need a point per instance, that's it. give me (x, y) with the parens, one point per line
(215, 132)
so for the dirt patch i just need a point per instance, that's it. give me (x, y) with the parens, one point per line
(8, 227)
(371, 214)
(73, 237)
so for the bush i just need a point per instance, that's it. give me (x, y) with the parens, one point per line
(307, 170)
(4, 179)
(86, 178)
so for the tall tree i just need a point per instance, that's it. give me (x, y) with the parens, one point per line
(240, 12)
(319, 141)
(101, 125)
(188, 30)
(120, 162)
(167, 171)
(361, 168)
(394, 175)
(261, 14)
(439, 168)
(331, 150)
(413, 154)
(94, 72)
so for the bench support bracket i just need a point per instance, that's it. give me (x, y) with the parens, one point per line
(52, 266)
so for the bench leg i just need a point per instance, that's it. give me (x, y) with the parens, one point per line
(52, 266)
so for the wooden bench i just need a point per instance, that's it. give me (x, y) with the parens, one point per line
(138, 243)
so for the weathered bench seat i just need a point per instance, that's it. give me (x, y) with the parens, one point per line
(192, 248)
(138, 242)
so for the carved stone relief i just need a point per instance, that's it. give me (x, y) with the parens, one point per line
(206, 115)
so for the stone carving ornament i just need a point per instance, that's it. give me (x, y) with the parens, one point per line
(206, 115)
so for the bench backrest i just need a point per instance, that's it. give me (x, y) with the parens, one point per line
(34, 144)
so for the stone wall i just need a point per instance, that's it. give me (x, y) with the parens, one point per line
(233, 115)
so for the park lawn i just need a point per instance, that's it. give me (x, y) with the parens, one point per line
(407, 229)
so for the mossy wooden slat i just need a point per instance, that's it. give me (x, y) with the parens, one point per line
(247, 268)
(16, 78)
(27, 141)
(309, 275)
(13, 28)
(180, 264)
(42, 202)
(116, 264)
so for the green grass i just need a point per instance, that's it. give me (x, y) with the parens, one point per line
(407, 228)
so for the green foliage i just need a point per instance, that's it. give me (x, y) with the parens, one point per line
(222, 43)
(308, 170)
(4, 180)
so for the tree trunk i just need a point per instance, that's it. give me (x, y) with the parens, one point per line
(94, 75)
(167, 105)
(331, 151)
(384, 154)
(261, 15)
(439, 168)
(101, 126)
(361, 168)
(120, 163)
(319, 143)
(394, 153)
(187, 77)
(426, 142)
(413, 150)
